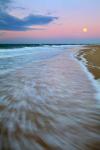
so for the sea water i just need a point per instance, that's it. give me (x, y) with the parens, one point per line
(47, 100)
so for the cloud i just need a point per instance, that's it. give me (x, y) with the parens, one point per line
(12, 23)
(4, 4)
(18, 7)
(38, 19)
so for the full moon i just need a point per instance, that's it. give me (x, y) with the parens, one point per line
(85, 29)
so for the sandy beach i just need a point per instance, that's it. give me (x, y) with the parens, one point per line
(49, 105)
(92, 59)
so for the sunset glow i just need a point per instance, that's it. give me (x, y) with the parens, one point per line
(43, 21)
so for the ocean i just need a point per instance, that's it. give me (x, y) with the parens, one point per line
(49, 98)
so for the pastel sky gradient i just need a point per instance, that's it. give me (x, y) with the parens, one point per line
(49, 21)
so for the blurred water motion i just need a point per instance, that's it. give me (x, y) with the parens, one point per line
(48, 104)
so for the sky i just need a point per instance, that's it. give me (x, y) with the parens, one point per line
(50, 21)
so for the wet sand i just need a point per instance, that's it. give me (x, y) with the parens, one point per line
(49, 105)
(92, 57)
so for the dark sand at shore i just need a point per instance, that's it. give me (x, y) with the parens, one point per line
(92, 56)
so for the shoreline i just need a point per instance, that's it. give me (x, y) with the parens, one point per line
(90, 56)
(51, 103)
(85, 58)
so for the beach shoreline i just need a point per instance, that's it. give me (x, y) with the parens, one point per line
(90, 56)
(50, 103)
(89, 59)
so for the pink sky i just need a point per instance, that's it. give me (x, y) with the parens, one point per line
(72, 15)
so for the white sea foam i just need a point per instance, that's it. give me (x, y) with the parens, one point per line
(95, 83)
(48, 104)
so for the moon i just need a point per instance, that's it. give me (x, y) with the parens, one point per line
(85, 29)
